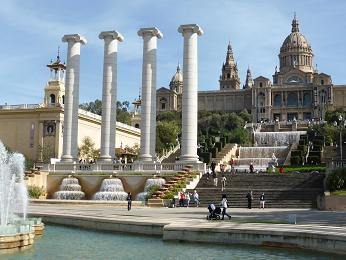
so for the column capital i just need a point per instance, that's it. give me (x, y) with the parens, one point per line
(113, 34)
(152, 30)
(74, 37)
(195, 28)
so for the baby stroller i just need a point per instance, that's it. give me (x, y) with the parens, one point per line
(214, 212)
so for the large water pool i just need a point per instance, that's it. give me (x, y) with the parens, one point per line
(63, 243)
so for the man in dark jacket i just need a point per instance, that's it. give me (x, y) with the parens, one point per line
(249, 197)
(129, 201)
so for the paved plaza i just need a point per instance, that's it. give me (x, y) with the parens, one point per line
(169, 215)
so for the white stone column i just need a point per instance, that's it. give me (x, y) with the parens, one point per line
(148, 105)
(190, 94)
(109, 94)
(70, 139)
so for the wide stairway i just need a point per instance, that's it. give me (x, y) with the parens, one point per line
(281, 191)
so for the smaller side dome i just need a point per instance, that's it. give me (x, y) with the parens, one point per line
(178, 76)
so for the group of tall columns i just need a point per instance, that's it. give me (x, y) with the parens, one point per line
(148, 104)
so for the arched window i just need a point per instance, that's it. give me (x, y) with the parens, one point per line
(228, 75)
(63, 99)
(307, 100)
(137, 125)
(163, 102)
(261, 84)
(277, 100)
(292, 99)
(261, 102)
(52, 99)
(323, 96)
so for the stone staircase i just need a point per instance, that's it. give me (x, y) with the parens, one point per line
(171, 158)
(186, 174)
(281, 191)
(228, 151)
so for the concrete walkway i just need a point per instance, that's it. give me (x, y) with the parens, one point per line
(168, 215)
(317, 230)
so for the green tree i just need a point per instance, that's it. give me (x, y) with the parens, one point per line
(87, 149)
(94, 107)
(333, 116)
(166, 135)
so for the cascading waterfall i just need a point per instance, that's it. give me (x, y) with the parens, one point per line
(149, 183)
(260, 157)
(13, 193)
(263, 152)
(69, 190)
(277, 138)
(111, 189)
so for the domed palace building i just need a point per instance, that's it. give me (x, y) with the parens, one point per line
(298, 90)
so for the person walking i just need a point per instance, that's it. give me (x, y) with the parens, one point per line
(215, 179)
(224, 207)
(213, 166)
(249, 197)
(208, 173)
(181, 199)
(187, 198)
(129, 201)
(262, 200)
(196, 198)
(252, 169)
(223, 182)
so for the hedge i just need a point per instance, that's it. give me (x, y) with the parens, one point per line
(218, 145)
(205, 157)
(314, 160)
(213, 151)
(296, 153)
(296, 160)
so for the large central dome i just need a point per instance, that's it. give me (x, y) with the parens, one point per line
(296, 51)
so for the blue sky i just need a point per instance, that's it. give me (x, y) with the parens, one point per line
(32, 30)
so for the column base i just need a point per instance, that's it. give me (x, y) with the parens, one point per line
(67, 158)
(145, 158)
(105, 159)
(189, 158)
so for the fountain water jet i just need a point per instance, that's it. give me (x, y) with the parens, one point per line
(69, 190)
(277, 138)
(111, 189)
(16, 230)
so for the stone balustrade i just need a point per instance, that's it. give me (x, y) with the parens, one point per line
(157, 167)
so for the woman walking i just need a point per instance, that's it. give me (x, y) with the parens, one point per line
(224, 207)
(196, 198)
(262, 201)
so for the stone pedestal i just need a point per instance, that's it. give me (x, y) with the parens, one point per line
(109, 94)
(148, 105)
(190, 95)
(70, 139)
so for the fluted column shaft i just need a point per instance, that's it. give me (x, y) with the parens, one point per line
(109, 94)
(190, 95)
(70, 141)
(148, 109)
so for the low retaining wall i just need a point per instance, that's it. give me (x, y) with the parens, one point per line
(331, 203)
(244, 234)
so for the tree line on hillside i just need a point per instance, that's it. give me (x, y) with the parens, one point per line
(168, 127)
(123, 114)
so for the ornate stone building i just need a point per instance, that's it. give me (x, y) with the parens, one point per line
(298, 89)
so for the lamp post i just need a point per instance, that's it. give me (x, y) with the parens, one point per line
(342, 125)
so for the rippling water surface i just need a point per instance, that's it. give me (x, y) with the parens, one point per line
(63, 243)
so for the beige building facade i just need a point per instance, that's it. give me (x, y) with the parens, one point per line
(298, 90)
(36, 130)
